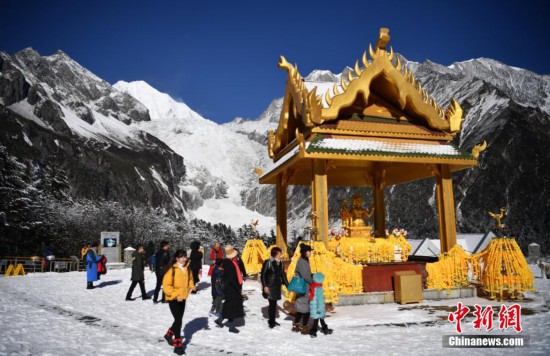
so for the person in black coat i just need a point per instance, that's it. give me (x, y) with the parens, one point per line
(163, 263)
(150, 255)
(217, 289)
(138, 262)
(273, 277)
(195, 260)
(233, 284)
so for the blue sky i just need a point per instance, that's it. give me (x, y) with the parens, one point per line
(220, 57)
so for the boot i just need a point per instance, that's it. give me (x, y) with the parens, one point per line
(232, 328)
(178, 346)
(326, 330)
(168, 337)
(90, 285)
(305, 330)
(313, 333)
(296, 328)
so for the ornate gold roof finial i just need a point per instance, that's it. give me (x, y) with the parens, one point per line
(453, 115)
(383, 38)
(254, 225)
(258, 171)
(283, 64)
(499, 217)
(479, 148)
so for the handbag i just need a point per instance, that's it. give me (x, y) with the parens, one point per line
(297, 285)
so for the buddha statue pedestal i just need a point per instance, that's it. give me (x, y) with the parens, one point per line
(359, 231)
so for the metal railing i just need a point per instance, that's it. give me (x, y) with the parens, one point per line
(36, 264)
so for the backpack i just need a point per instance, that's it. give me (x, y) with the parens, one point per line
(102, 266)
(218, 283)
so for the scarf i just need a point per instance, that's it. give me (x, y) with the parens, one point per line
(239, 274)
(312, 287)
(215, 254)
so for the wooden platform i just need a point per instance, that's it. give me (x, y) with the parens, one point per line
(378, 277)
(388, 297)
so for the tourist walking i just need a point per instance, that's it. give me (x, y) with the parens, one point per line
(233, 283)
(138, 262)
(217, 289)
(216, 253)
(177, 283)
(196, 260)
(150, 255)
(162, 264)
(273, 277)
(83, 253)
(92, 259)
(317, 305)
(303, 270)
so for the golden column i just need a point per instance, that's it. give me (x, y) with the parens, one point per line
(446, 208)
(319, 199)
(281, 196)
(379, 206)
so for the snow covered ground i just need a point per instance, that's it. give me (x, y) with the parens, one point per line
(53, 314)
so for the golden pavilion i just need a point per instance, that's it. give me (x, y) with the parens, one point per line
(376, 128)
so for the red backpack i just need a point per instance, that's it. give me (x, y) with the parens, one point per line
(102, 266)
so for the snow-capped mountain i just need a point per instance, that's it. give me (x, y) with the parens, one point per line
(257, 129)
(220, 163)
(64, 108)
(504, 105)
(72, 135)
(66, 142)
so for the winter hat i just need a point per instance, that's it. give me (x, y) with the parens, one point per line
(230, 252)
(318, 277)
(305, 248)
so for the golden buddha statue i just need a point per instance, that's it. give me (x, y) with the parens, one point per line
(353, 221)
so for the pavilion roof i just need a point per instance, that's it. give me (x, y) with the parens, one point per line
(381, 127)
(377, 146)
(377, 120)
(377, 88)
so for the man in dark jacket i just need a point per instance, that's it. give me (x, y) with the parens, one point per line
(273, 277)
(150, 255)
(138, 261)
(195, 261)
(162, 264)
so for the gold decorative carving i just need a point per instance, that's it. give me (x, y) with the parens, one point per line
(301, 141)
(453, 115)
(258, 171)
(394, 82)
(498, 217)
(478, 149)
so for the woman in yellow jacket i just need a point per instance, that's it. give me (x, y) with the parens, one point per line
(176, 284)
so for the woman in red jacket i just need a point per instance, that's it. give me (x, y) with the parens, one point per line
(215, 254)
